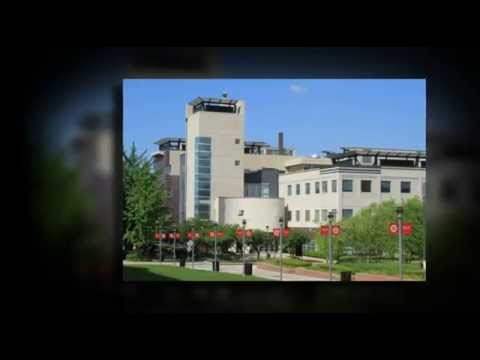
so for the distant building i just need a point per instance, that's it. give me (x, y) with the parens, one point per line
(167, 160)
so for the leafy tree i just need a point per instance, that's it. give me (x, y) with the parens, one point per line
(367, 231)
(144, 201)
(414, 244)
(294, 239)
(258, 241)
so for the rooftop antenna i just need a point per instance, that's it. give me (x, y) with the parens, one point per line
(225, 94)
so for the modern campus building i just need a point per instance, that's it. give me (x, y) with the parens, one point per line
(356, 178)
(215, 174)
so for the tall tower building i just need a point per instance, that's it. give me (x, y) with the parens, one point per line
(214, 154)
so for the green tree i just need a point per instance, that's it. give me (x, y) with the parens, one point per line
(258, 241)
(144, 201)
(295, 239)
(367, 231)
(414, 214)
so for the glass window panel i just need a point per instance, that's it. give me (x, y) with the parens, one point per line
(385, 186)
(366, 185)
(347, 185)
(405, 186)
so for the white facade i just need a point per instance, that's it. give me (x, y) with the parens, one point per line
(258, 212)
(310, 209)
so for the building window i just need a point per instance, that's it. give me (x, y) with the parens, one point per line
(385, 186)
(347, 213)
(307, 188)
(366, 186)
(289, 215)
(265, 190)
(347, 185)
(289, 187)
(202, 177)
(297, 215)
(317, 187)
(237, 141)
(334, 213)
(334, 185)
(317, 216)
(324, 186)
(298, 189)
(307, 215)
(405, 187)
(324, 214)
(237, 162)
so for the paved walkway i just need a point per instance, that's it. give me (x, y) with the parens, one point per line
(233, 269)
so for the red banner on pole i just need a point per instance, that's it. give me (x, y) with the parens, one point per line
(220, 233)
(336, 230)
(190, 235)
(286, 231)
(407, 228)
(157, 236)
(249, 233)
(276, 232)
(239, 232)
(171, 236)
(197, 235)
(324, 230)
(211, 234)
(164, 236)
(393, 228)
(177, 236)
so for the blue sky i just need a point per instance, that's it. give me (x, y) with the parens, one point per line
(314, 115)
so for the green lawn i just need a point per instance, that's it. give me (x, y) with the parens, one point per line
(154, 272)
(388, 267)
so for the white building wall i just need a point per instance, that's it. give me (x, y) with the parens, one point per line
(340, 200)
(258, 212)
(226, 176)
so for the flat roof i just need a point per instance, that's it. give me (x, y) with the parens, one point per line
(353, 148)
(169, 139)
(352, 151)
(224, 101)
(249, 143)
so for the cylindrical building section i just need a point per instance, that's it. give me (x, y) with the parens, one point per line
(258, 212)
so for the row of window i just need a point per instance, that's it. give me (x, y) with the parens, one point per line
(346, 213)
(203, 158)
(347, 186)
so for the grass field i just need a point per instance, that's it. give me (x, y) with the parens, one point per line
(154, 272)
(410, 270)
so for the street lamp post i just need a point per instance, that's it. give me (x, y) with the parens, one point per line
(174, 243)
(215, 243)
(160, 244)
(400, 235)
(330, 221)
(280, 220)
(266, 241)
(193, 248)
(244, 223)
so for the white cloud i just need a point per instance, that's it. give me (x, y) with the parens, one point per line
(297, 89)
